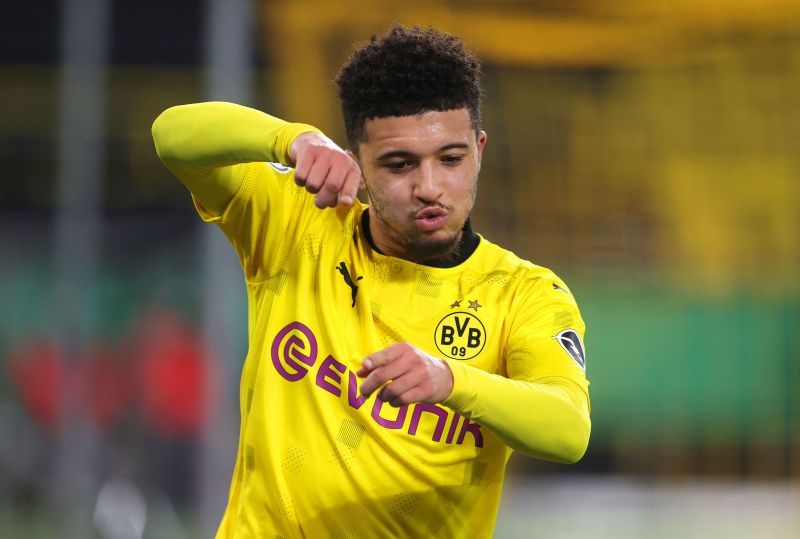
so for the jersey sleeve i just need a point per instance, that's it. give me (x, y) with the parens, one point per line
(233, 160)
(540, 405)
(546, 335)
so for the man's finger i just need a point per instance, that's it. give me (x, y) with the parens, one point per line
(396, 387)
(317, 175)
(329, 193)
(379, 358)
(383, 374)
(302, 168)
(350, 187)
(325, 199)
(415, 394)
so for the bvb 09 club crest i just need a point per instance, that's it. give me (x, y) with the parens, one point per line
(460, 335)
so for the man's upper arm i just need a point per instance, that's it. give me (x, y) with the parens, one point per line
(189, 146)
(212, 187)
(546, 338)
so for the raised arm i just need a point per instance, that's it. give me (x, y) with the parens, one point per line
(207, 146)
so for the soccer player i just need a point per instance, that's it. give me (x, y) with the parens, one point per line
(396, 357)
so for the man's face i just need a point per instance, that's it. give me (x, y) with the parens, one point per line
(421, 175)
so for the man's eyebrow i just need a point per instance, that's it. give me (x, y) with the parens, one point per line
(395, 153)
(454, 145)
(403, 153)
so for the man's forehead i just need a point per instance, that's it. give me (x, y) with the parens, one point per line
(432, 127)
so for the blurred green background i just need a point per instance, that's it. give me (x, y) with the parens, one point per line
(645, 151)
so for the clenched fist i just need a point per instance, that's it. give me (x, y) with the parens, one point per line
(412, 376)
(325, 170)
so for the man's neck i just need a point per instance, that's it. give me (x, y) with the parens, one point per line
(463, 249)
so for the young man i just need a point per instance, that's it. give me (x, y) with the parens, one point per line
(395, 356)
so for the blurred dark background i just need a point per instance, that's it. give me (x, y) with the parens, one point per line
(646, 152)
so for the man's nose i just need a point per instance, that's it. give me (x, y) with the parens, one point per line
(426, 186)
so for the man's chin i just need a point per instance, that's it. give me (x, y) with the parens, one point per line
(435, 246)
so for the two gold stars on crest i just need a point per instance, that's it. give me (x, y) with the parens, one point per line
(472, 304)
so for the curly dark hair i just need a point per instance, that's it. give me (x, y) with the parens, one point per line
(406, 72)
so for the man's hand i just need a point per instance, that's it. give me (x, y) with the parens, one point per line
(413, 376)
(325, 170)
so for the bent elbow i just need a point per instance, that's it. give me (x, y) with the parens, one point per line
(573, 443)
(157, 130)
(574, 446)
(162, 126)
(565, 442)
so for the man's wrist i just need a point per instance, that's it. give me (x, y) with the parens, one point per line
(460, 392)
(449, 381)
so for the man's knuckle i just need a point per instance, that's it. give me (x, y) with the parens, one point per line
(313, 184)
(333, 184)
(326, 190)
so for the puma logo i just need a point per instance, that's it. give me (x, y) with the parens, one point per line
(342, 268)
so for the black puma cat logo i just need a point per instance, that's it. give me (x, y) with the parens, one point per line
(342, 268)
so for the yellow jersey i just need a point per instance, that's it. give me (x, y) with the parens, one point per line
(315, 458)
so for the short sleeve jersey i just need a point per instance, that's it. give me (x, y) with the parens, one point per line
(315, 458)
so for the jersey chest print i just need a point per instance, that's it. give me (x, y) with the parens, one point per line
(461, 334)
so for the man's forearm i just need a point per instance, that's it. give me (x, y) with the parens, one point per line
(219, 134)
(206, 145)
(547, 419)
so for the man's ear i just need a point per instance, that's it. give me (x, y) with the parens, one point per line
(354, 157)
(480, 143)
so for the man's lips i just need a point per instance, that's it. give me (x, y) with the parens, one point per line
(430, 219)
(430, 212)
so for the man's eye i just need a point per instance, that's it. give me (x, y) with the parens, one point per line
(452, 159)
(397, 165)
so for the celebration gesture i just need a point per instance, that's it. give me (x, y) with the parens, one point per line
(412, 376)
(325, 170)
